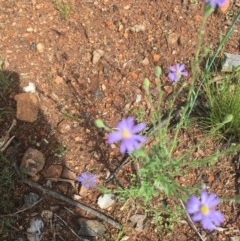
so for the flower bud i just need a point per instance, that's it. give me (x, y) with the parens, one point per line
(146, 84)
(99, 123)
(228, 118)
(157, 71)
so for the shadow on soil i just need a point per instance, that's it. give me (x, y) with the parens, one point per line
(13, 192)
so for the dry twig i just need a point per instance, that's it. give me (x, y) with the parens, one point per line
(191, 222)
(65, 223)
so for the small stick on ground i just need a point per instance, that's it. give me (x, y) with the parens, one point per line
(191, 222)
(67, 225)
(72, 182)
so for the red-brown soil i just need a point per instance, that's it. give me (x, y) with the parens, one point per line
(55, 51)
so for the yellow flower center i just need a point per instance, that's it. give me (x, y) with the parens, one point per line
(125, 133)
(204, 209)
(87, 180)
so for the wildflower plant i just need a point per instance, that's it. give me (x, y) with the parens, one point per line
(159, 154)
(64, 8)
(6, 81)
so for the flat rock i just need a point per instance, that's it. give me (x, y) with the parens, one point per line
(84, 191)
(145, 61)
(138, 28)
(235, 238)
(91, 228)
(54, 171)
(97, 55)
(30, 88)
(138, 221)
(40, 47)
(64, 127)
(32, 162)
(35, 231)
(168, 89)
(68, 174)
(231, 61)
(27, 107)
(58, 80)
(31, 199)
(106, 200)
(173, 39)
(46, 215)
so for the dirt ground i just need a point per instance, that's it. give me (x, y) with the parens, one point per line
(89, 62)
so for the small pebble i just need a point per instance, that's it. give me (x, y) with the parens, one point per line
(40, 48)
(29, 30)
(145, 61)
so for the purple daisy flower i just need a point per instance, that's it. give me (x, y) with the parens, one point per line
(203, 209)
(88, 180)
(215, 3)
(176, 72)
(126, 132)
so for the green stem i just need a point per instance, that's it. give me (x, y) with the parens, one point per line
(194, 67)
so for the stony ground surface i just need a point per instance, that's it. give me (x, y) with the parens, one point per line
(88, 60)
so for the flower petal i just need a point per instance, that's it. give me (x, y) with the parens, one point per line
(197, 217)
(207, 224)
(212, 200)
(204, 197)
(215, 3)
(126, 145)
(123, 147)
(173, 77)
(180, 67)
(135, 144)
(172, 68)
(221, 2)
(122, 124)
(216, 217)
(138, 138)
(130, 122)
(114, 137)
(139, 127)
(184, 73)
(193, 205)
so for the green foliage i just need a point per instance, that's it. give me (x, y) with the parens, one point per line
(6, 170)
(64, 8)
(6, 184)
(5, 83)
(6, 193)
(167, 218)
(165, 159)
(60, 151)
(223, 99)
(5, 226)
(196, 74)
(4, 112)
